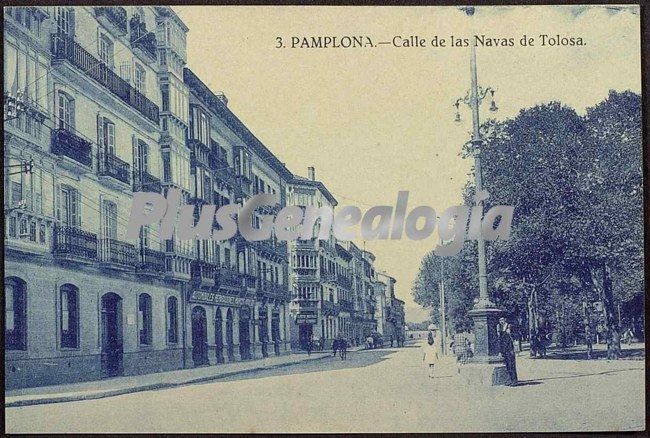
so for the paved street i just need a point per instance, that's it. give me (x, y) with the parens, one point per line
(373, 391)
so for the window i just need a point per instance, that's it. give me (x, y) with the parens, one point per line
(144, 310)
(65, 112)
(108, 129)
(69, 316)
(15, 314)
(139, 79)
(69, 211)
(167, 167)
(172, 320)
(109, 212)
(65, 21)
(145, 236)
(164, 90)
(106, 50)
(141, 158)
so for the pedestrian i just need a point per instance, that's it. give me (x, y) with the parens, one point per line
(589, 340)
(391, 340)
(369, 342)
(309, 345)
(343, 348)
(431, 354)
(507, 349)
(335, 346)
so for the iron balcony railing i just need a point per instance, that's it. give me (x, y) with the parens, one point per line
(72, 241)
(202, 271)
(72, 146)
(228, 278)
(141, 38)
(66, 48)
(111, 165)
(143, 181)
(346, 305)
(151, 261)
(344, 281)
(116, 15)
(117, 252)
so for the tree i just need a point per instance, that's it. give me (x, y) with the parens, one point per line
(575, 183)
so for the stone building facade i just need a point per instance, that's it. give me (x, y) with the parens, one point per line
(100, 104)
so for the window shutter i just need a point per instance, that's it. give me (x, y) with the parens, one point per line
(100, 134)
(72, 27)
(57, 201)
(71, 109)
(136, 158)
(77, 196)
(125, 71)
(74, 209)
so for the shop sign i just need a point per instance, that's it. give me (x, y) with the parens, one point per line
(306, 319)
(204, 297)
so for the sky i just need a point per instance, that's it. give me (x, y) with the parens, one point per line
(374, 121)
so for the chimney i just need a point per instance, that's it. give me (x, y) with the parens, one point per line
(312, 173)
(222, 97)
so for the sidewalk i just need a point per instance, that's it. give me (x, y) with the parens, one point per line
(123, 385)
(146, 382)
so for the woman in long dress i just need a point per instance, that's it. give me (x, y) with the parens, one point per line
(431, 353)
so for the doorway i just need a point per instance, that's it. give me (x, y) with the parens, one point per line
(218, 335)
(112, 347)
(305, 335)
(199, 336)
(230, 335)
(244, 338)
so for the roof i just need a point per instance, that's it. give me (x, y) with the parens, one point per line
(233, 122)
(297, 179)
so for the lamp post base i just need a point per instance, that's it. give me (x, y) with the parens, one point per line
(486, 368)
(484, 374)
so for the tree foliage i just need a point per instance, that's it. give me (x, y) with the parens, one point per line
(576, 185)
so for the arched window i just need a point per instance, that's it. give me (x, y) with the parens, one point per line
(15, 314)
(144, 312)
(69, 308)
(172, 320)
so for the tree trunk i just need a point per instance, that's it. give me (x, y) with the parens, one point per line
(612, 329)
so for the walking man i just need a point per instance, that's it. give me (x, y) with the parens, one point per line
(507, 349)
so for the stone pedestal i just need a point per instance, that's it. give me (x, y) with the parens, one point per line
(235, 353)
(486, 368)
(256, 350)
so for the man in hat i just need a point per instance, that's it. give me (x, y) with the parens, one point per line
(507, 349)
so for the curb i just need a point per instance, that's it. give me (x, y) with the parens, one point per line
(150, 387)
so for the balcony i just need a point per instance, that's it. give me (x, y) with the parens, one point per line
(73, 149)
(222, 170)
(150, 262)
(250, 281)
(177, 267)
(113, 171)
(242, 187)
(143, 181)
(28, 232)
(305, 274)
(64, 48)
(203, 273)
(344, 282)
(272, 250)
(116, 254)
(199, 153)
(306, 244)
(113, 17)
(329, 308)
(142, 40)
(229, 280)
(346, 306)
(328, 277)
(73, 244)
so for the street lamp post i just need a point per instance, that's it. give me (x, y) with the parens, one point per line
(486, 366)
(442, 307)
